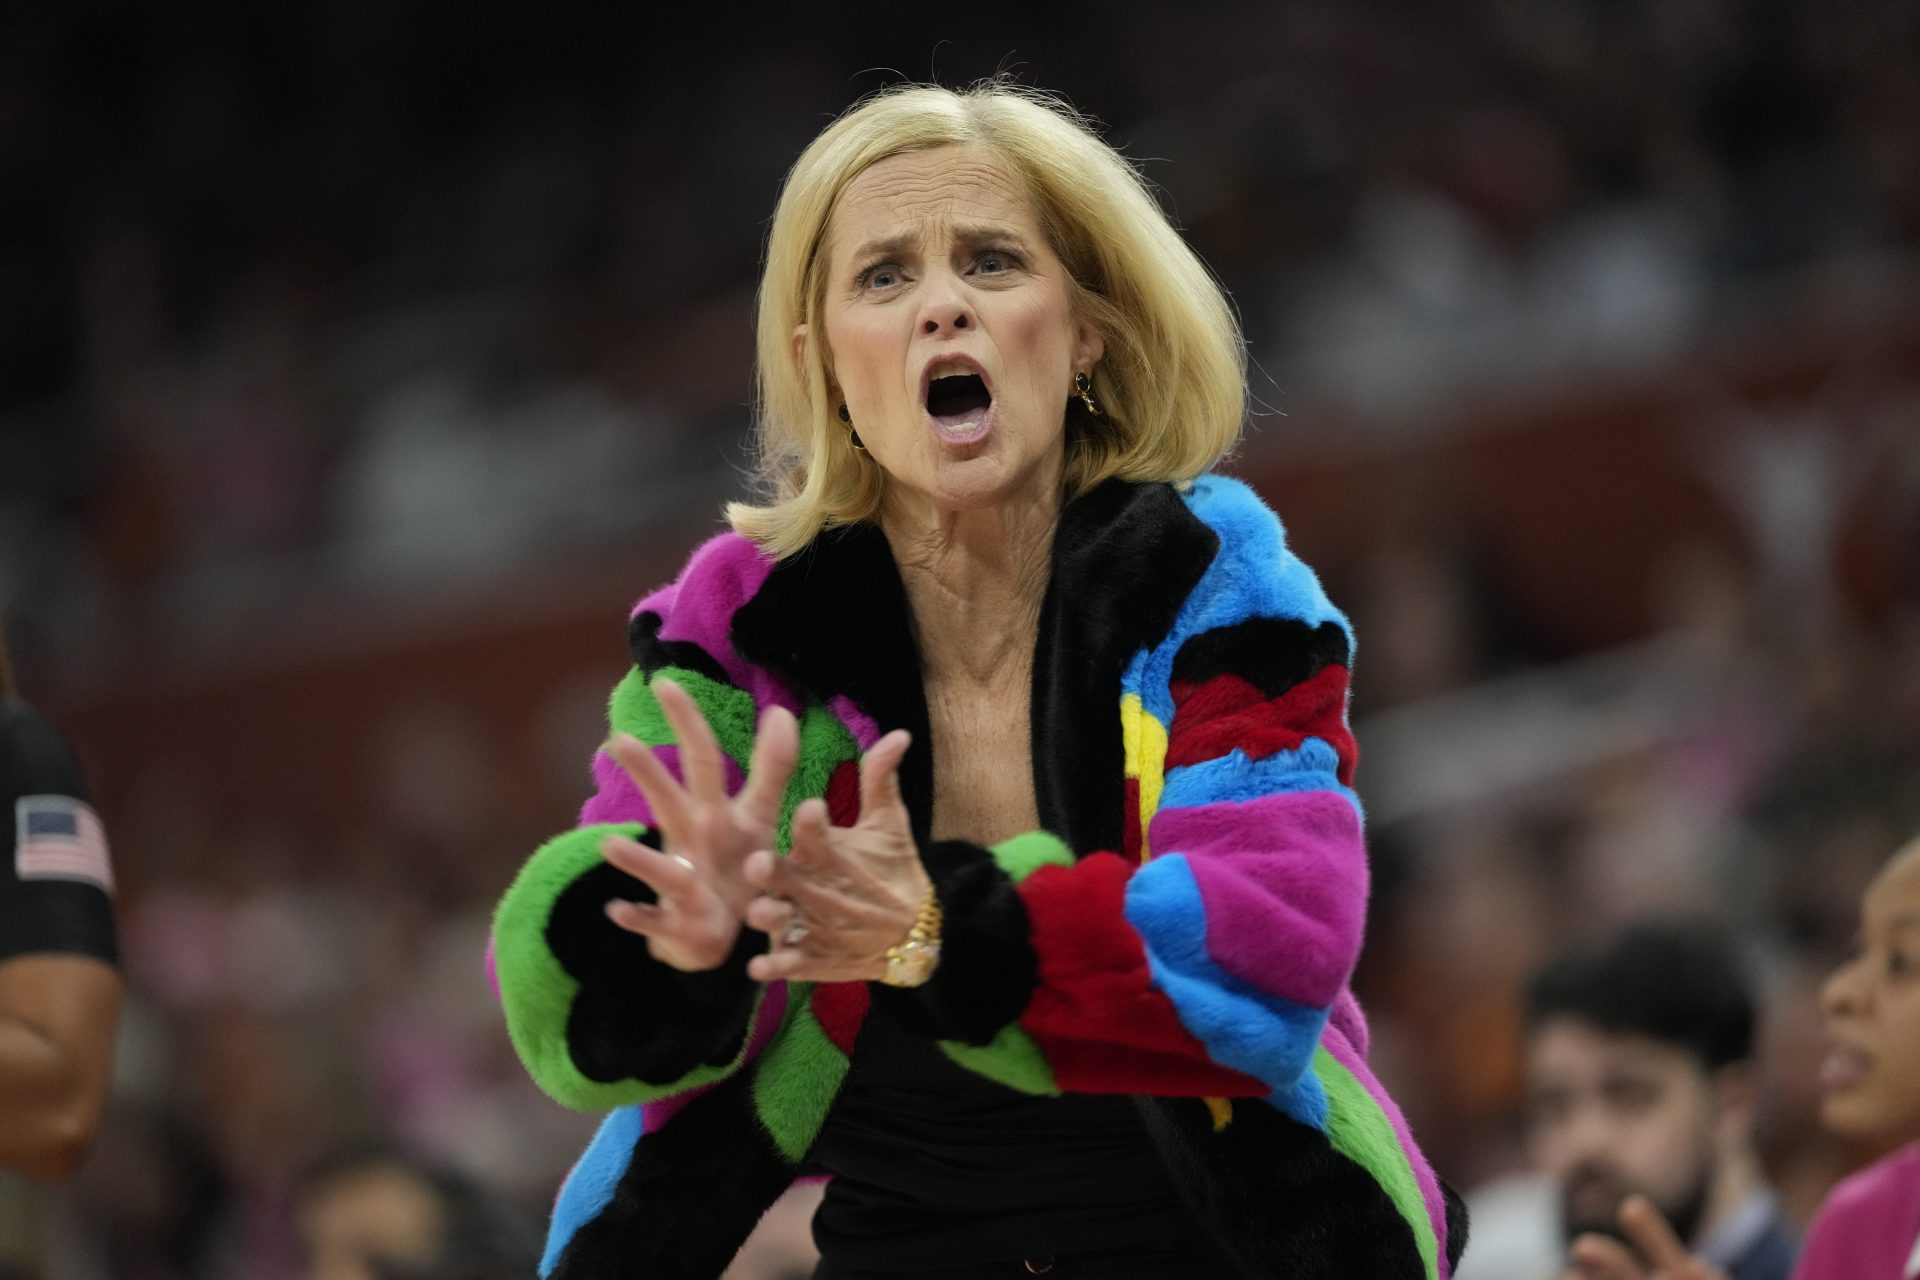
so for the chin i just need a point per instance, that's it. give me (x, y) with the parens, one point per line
(975, 484)
(1851, 1116)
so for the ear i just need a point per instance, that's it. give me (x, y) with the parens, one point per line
(799, 347)
(1088, 347)
(802, 348)
(1736, 1101)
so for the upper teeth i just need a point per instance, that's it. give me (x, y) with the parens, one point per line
(950, 368)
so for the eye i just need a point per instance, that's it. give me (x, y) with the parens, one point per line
(881, 276)
(996, 262)
(1901, 964)
(1548, 1107)
(1631, 1097)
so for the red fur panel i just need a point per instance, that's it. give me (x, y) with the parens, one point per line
(1228, 712)
(1130, 824)
(843, 795)
(1095, 1014)
(839, 1008)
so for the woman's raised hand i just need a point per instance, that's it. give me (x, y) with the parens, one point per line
(699, 873)
(843, 895)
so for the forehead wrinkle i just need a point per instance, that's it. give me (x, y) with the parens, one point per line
(974, 190)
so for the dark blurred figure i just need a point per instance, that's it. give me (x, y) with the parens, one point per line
(1641, 1078)
(378, 1214)
(60, 986)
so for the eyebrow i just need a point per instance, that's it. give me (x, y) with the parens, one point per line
(1905, 920)
(970, 235)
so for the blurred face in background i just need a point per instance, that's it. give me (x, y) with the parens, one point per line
(950, 332)
(1870, 1078)
(1609, 1114)
(374, 1216)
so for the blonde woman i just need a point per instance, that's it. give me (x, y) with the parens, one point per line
(975, 826)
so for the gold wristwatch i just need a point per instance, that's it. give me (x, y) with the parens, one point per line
(913, 961)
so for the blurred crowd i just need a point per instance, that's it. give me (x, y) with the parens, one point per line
(344, 312)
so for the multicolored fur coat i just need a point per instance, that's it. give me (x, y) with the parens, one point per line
(1182, 931)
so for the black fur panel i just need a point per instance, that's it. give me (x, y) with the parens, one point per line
(1457, 1226)
(693, 1192)
(1273, 654)
(1126, 557)
(633, 1017)
(988, 967)
(834, 619)
(650, 652)
(1277, 1196)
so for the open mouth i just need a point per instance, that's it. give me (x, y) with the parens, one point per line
(958, 399)
(1844, 1067)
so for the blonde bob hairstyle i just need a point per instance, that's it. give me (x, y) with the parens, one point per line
(1172, 384)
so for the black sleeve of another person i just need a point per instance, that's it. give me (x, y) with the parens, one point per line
(71, 916)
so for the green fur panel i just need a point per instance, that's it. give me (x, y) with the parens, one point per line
(633, 709)
(1025, 854)
(825, 745)
(538, 994)
(1011, 1058)
(1360, 1131)
(797, 1078)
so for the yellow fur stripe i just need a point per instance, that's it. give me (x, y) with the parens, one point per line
(1145, 740)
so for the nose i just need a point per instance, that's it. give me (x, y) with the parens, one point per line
(944, 305)
(1585, 1132)
(1841, 994)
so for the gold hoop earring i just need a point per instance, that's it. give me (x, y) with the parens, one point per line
(1083, 387)
(851, 433)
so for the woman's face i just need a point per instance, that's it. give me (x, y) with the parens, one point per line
(1871, 1075)
(949, 331)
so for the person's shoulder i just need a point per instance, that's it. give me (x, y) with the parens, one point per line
(721, 575)
(1255, 571)
(1873, 1213)
(35, 757)
(1889, 1182)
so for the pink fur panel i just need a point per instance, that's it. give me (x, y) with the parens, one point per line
(1283, 879)
(698, 609)
(617, 799)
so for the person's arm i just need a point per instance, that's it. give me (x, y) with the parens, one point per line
(601, 1015)
(57, 1020)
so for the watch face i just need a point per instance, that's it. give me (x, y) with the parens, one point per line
(912, 964)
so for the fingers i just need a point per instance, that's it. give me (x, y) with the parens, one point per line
(771, 916)
(664, 794)
(637, 917)
(880, 779)
(1657, 1242)
(775, 748)
(808, 845)
(783, 965)
(699, 749)
(667, 874)
(1599, 1258)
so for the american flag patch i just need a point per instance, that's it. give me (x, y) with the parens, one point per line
(60, 838)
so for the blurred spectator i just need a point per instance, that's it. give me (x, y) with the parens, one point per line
(60, 984)
(376, 1214)
(1641, 1079)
